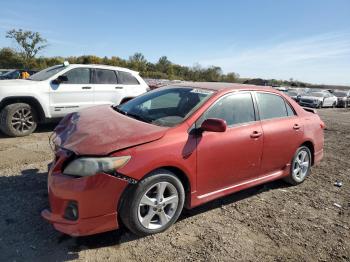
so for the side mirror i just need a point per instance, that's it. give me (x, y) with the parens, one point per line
(60, 79)
(214, 125)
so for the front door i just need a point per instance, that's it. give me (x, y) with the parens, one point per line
(228, 158)
(72, 95)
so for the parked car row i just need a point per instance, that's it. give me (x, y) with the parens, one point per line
(318, 98)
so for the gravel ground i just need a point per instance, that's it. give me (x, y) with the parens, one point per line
(272, 222)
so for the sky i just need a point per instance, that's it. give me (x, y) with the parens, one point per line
(307, 40)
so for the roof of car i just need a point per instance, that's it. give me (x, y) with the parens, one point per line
(103, 67)
(221, 86)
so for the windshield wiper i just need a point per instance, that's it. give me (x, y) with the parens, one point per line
(138, 117)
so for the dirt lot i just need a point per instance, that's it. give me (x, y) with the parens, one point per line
(273, 222)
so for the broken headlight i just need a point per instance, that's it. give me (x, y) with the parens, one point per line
(89, 166)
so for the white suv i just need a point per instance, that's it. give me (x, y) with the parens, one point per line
(59, 90)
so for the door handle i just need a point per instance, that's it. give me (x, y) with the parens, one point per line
(255, 134)
(86, 87)
(118, 87)
(296, 126)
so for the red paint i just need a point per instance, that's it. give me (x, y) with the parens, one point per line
(215, 163)
(214, 125)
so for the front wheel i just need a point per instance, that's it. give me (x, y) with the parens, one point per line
(154, 204)
(18, 119)
(300, 166)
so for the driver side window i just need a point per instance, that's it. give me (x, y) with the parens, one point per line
(235, 109)
(78, 76)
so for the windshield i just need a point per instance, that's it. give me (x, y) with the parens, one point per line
(165, 107)
(10, 73)
(46, 73)
(3, 72)
(316, 94)
(339, 94)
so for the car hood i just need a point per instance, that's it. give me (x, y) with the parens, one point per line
(101, 130)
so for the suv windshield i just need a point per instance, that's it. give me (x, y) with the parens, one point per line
(46, 73)
(165, 107)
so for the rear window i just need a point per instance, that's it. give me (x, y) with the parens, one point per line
(103, 76)
(127, 78)
(271, 106)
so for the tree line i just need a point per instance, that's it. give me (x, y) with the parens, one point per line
(31, 43)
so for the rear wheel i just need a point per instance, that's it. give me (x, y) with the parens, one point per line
(154, 204)
(300, 166)
(18, 119)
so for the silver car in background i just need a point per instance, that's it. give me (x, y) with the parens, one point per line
(318, 99)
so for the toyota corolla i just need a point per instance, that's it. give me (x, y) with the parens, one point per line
(140, 163)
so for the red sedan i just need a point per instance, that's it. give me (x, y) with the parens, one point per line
(142, 162)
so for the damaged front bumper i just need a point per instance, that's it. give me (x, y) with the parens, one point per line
(95, 199)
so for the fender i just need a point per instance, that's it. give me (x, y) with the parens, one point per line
(25, 99)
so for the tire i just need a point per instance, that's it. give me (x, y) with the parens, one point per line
(152, 217)
(334, 105)
(296, 178)
(26, 120)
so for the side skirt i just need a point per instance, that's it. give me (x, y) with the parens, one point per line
(201, 199)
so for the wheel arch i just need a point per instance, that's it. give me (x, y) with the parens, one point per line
(179, 173)
(32, 101)
(311, 147)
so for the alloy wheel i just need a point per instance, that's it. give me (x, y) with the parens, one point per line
(301, 165)
(158, 205)
(22, 120)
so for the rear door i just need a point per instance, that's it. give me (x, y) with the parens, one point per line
(106, 86)
(72, 95)
(283, 131)
(233, 156)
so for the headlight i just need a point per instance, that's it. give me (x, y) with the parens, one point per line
(88, 166)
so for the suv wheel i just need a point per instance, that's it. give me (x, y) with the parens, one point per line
(18, 119)
(154, 204)
(300, 166)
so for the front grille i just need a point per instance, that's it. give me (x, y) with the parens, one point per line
(309, 101)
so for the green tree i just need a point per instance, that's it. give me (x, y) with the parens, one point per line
(9, 58)
(30, 43)
(138, 62)
(163, 64)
